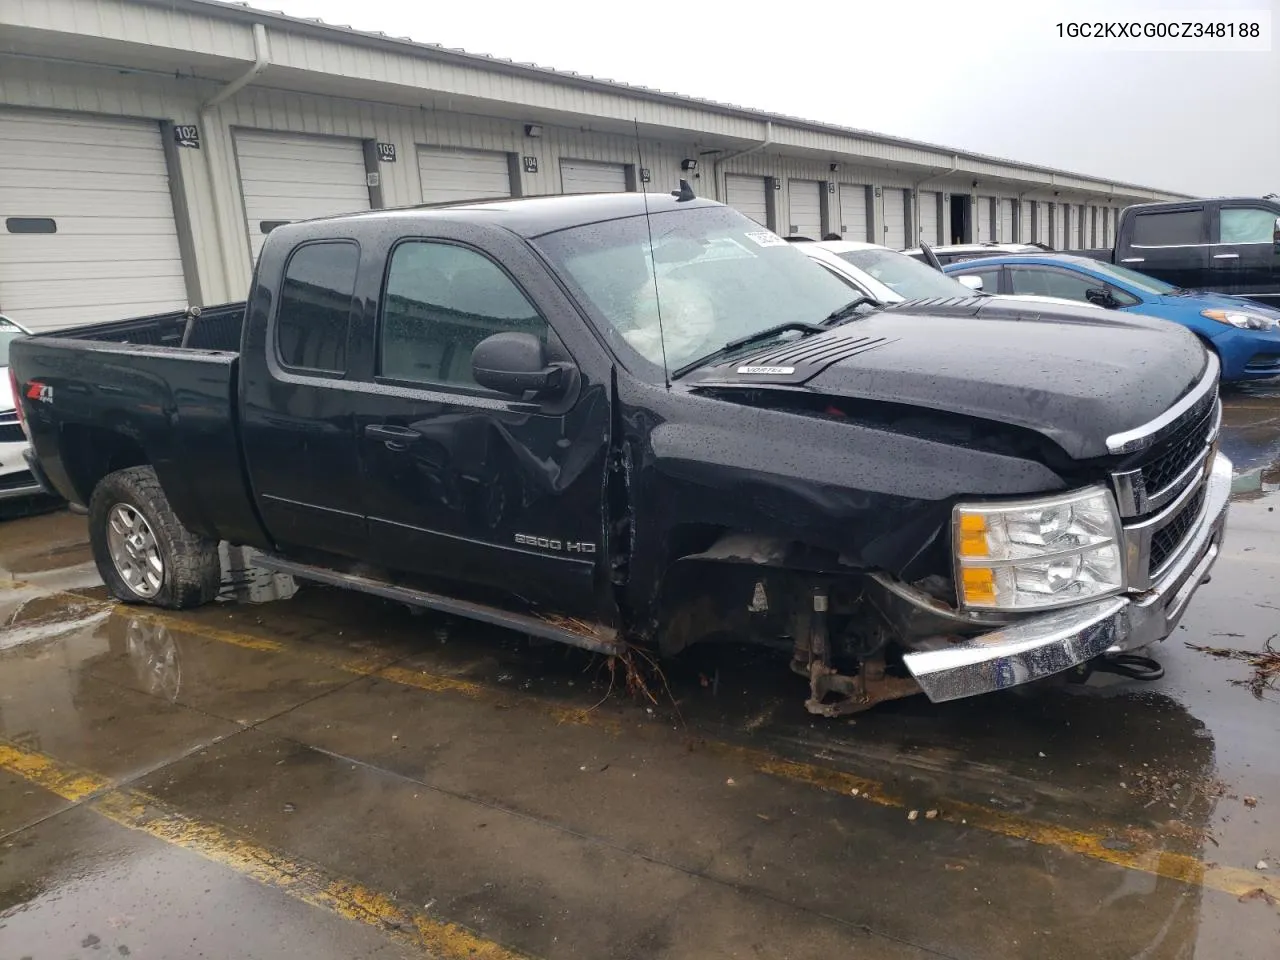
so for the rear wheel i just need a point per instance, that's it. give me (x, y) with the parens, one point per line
(143, 552)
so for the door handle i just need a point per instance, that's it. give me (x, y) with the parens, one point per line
(1133, 260)
(1226, 256)
(392, 437)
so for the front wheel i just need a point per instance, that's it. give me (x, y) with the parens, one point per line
(143, 552)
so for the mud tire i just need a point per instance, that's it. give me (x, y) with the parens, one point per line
(192, 572)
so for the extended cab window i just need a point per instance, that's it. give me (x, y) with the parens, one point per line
(441, 300)
(315, 306)
(1245, 225)
(1172, 229)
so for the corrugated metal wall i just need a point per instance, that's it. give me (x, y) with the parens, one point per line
(210, 178)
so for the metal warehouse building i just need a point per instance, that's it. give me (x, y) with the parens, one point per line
(147, 147)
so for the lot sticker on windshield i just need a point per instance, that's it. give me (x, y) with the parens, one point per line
(766, 238)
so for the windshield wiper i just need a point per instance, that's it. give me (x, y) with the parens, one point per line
(759, 336)
(848, 310)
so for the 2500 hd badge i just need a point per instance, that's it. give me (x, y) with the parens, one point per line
(546, 543)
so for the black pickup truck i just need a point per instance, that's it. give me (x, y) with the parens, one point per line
(615, 420)
(1227, 244)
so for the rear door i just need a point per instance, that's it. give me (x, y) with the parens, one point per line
(1244, 258)
(296, 420)
(1171, 243)
(461, 482)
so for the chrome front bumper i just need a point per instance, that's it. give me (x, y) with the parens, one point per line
(1049, 643)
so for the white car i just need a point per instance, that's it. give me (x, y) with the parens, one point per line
(892, 277)
(16, 479)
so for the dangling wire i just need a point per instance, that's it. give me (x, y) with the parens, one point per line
(653, 263)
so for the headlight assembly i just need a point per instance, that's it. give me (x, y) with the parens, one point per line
(1244, 319)
(1036, 554)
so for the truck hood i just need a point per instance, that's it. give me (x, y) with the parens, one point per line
(1075, 375)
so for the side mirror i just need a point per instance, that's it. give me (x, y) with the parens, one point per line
(1099, 296)
(971, 281)
(516, 364)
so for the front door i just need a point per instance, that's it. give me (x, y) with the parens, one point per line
(1244, 258)
(462, 482)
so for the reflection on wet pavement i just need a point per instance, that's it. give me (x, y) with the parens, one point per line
(461, 775)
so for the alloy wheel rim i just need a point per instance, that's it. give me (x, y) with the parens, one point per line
(134, 550)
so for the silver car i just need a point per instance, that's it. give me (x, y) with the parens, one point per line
(16, 479)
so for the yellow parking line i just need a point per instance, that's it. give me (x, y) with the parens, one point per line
(60, 779)
(1145, 858)
(299, 879)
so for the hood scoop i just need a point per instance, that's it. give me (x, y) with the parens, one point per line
(791, 363)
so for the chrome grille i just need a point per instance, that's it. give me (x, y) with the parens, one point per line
(1161, 484)
(1166, 540)
(1170, 467)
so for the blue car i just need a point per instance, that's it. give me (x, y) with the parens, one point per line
(1245, 335)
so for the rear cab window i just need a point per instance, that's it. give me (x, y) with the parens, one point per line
(1169, 228)
(315, 307)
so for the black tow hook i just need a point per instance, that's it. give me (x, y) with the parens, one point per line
(1130, 665)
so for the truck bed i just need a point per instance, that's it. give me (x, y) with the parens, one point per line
(215, 328)
(157, 390)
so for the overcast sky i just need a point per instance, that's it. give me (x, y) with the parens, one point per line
(983, 75)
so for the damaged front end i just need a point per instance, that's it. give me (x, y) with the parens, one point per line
(860, 639)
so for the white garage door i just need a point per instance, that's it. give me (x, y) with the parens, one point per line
(895, 218)
(86, 221)
(747, 196)
(1060, 219)
(1006, 220)
(287, 177)
(584, 176)
(1024, 224)
(928, 204)
(1042, 222)
(805, 203)
(853, 211)
(982, 217)
(448, 175)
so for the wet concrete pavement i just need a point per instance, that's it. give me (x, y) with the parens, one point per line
(323, 774)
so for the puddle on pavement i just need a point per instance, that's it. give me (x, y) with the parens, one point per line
(245, 582)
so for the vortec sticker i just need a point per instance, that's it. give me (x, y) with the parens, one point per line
(766, 238)
(40, 392)
(768, 371)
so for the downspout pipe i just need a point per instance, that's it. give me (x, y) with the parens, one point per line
(754, 148)
(261, 60)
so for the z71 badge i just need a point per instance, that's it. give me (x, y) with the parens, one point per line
(40, 392)
(548, 543)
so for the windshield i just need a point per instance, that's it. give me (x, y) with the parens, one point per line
(909, 279)
(1133, 278)
(8, 333)
(720, 277)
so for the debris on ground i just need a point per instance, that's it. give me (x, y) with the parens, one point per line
(1250, 802)
(1265, 664)
(1257, 893)
(1263, 865)
(913, 814)
(931, 814)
